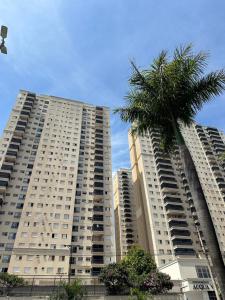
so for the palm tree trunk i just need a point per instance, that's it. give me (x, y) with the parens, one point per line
(204, 216)
(202, 209)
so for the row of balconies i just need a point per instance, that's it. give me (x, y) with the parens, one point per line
(11, 154)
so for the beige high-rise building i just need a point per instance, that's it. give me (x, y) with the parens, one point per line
(125, 212)
(166, 216)
(55, 189)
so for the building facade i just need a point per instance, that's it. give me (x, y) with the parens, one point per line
(191, 277)
(168, 226)
(125, 212)
(55, 188)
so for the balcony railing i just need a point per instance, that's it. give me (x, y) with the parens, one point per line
(184, 251)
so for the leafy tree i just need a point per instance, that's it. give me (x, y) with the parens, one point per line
(9, 281)
(116, 278)
(74, 289)
(166, 97)
(157, 283)
(132, 274)
(137, 294)
(70, 291)
(139, 264)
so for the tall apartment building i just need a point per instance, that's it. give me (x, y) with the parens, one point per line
(55, 188)
(166, 214)
(125, 212)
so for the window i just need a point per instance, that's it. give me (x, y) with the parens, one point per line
(202, 272)
(30, 257)
(16, 269)
(49, 270)
(60, 270)
(27, 270)
(5, 258)
(212, 295)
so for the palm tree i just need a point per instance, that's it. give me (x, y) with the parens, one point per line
(165, 97)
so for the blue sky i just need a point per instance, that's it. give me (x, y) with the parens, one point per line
(80, 49)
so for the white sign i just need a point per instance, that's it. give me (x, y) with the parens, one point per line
(196, 285)
(202, 285)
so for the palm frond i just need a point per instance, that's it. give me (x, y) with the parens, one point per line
(170, 91)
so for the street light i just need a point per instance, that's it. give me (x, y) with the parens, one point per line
(3, 34)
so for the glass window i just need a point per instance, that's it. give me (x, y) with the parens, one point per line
(202, 272)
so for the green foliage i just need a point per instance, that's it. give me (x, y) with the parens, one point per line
(137, 294)
(69, 291)
(116, 278)
(156, 283)
(74, 289)
(133, 274)
(170, 91)
(11, 281)
(139, 264)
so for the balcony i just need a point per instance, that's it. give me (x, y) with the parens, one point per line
(97, 259)
(180, 232)
(168, 186)
(164, 172)
(163, 178)
(126, 206)
(183, 242)
(208, 152)
(177, 223)
(184, 251)
(172, 209)
(129, 241)
(19, 130)
(222, 186)
(212, 130)
(13, 146)
(98, 184)
(98, 248)
(219, 180)
(95, 271)
(161, 166)
(128, 220)
(98, 227)
(203, 139)
(168, 199)
(126, 201)
(98, 192)
(7, 167)
(28, 103)
(217, 141)
(129, 236)
(215, 168)
(219, 151)
(98, 238)
(201, 134)
(97, 218)
(98, 208)
(127, 215)
(163, 161)
(3, 185)
(11, 155)
(98, 170)
(4, 175)
(24, 114)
